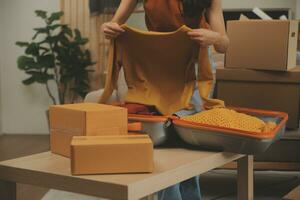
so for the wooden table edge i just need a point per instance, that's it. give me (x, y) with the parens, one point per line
(135, 190)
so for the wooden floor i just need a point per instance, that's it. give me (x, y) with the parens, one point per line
(17, 146)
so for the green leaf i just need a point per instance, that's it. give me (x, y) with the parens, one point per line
(45, 49)
(55, 16)
(77, 34)
(41, 30)
(29, 81)
(41, 13)
(79, 39)
(25, 62)
(55, 26)
(63, 39)
(62, 54)
(47, 61)
(44, 30)
(22, 44)
(83, 41)
(66, 30)
(40, 77)
(44, 78)
(51, 39)
(34, 72)
(32, 49)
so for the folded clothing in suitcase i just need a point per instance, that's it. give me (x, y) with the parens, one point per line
(229, 118)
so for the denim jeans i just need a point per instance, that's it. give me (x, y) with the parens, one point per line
(186, 190)
(189, 189)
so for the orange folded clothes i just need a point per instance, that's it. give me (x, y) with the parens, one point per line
(160, 70)
(88, 119)
(111, 154)
(135, 127)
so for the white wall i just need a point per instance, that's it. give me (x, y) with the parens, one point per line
(298, 9)
(249, 4)
(22, 108)
(137, 20)
(1, 45)
(231, 4)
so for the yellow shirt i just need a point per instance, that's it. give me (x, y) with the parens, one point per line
(159, 69)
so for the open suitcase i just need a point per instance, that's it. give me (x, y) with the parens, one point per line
(232, 140)
(205, 136)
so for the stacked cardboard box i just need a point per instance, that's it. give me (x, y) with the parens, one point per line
(111, 154)
(260, 67)
(100, 139)
(86, 119)
(262, 44)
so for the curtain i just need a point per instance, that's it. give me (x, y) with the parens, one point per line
(77, 14)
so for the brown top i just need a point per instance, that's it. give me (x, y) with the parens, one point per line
(166, 15)
(159, 69)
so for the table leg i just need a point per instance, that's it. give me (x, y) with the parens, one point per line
(8, 190)
(245, 178)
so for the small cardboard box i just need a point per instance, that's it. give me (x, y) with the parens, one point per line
(262, 44)
(83, 119)
(268, 90)
(111, 154)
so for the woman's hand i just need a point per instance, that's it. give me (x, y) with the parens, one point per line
(205, 37)
(111, 30)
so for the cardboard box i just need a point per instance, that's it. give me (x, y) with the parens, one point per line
(262, 44)
(277, 91)
(293, 195)
(111, 154)
(83, 119)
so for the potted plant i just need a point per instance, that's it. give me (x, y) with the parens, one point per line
(56, 53)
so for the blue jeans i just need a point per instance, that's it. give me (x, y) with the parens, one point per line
(189, 189)
(186, 190)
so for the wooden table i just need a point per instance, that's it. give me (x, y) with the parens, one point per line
(171, 166)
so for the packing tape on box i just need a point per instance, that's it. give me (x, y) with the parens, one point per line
(79, 131)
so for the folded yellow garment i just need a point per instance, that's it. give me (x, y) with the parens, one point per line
(160, 69)
(228, 118)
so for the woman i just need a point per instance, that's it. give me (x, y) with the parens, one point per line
(190, 10)
(169, 15)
